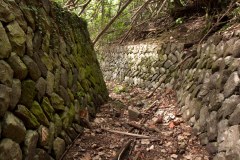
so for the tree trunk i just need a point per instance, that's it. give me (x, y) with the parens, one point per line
(111, 21)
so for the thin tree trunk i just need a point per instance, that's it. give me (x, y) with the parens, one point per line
(134, 17)
(111, 21)
(84, 7)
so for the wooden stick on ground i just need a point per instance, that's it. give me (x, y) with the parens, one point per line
(130, 134)
(70, 146)
(137, 126)
(123, 152)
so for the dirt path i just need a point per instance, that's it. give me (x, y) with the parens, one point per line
(129, 111)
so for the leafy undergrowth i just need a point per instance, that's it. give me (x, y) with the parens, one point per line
(163, 134)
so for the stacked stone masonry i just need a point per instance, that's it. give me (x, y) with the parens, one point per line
(49, 74)
(206, 78)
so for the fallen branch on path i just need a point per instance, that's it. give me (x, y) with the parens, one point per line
(137, 126)
(70, 146)
(152, 105)
(124, 151)
(130, 134)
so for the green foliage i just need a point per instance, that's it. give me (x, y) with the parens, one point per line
(119, 89)
(98, 14)
(179, 21)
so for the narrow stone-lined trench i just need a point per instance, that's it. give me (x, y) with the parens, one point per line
(130, 111)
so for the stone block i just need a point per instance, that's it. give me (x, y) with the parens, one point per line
(57, 102)
(212, 126)
(30, 144)
(212, 148)
(39, 114)
(28, 93)
(41, 87)
(232, 83)
(64, 78)
(229, 138)
(10, 150)
(58, 124)
(50, 83)
(13, 128)
(17, 37)
(234, 117)
(58, 147)
(27, 117)
(43, 133)
(19, 68)
(64, 94)
(6, 13)
(66, 138)
(133, 114)
(42, 154)
(29, 43)
(4, 99)
(228, 106)
(47, 108)
(5, 45)
(40, 64)
(33, 69)
(15, 94)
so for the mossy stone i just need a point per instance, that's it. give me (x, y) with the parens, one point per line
(10, 149)
(5, 45)
(6, 14)
(70, 94)
(70, 79)
(46, 42)
(65, 120)
(51, 136)
(17, 37)
(13, 128)
(57, 102)
(19, 68)
(57, 76)
(47, 61)
(68, 116)
(27, 117)
(58, 124)
(39, 114)
(28, 93)
(48, 108)
(84, 85)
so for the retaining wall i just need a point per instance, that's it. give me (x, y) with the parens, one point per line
(49, 74)
(206, 78)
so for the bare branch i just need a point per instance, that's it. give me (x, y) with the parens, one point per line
(111, 21)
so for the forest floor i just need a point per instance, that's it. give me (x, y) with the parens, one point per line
(154, 126)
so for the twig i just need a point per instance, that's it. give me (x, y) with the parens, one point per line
(123, 150)
(152, 105)
(134, 125)
(130, 134)
(70, 146)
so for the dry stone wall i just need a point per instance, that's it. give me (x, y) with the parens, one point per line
(49, 74)
(206, 78)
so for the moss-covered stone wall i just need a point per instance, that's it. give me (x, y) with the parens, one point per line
(206, 78)
(49, 76)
